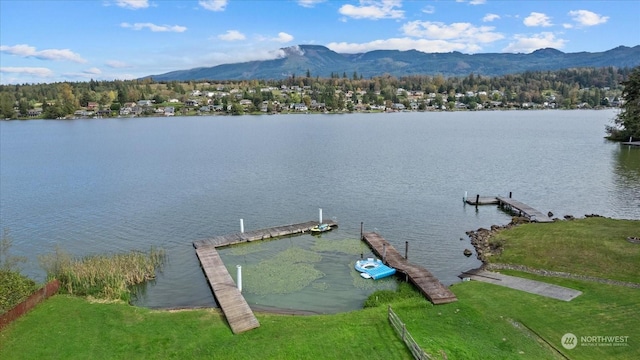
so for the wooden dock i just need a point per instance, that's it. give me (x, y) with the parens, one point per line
(512, 205)
(631, 143)
(234, 306)
(524, 209)
(428, 284)
(261, 234)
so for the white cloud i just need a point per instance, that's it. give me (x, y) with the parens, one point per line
(232, 35)
(490, 17)
(587, 18)
(459, 32)
(473, 2)
(24, 50)
(429, 9)
(524, 44)
(309, 3)
(116, 64)
(93, 71)
(373, 9)
(238, 55)
(34, 71)
(403, 44)
(537, 19)
(283, 37)
(213, 5)
(133, 4)
(154, 27)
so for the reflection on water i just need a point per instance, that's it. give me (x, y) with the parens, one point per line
(303, 273)
(626, 168)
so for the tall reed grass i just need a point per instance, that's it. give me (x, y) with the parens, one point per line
(110, 277)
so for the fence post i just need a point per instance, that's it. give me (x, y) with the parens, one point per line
(404, 330)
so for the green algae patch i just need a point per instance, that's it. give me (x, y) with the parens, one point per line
(287, 272)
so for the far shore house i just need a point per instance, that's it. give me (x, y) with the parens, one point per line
(34, 112)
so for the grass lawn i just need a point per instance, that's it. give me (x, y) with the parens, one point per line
(73, 328)
(592, 246)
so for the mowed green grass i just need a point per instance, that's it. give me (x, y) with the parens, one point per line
(487, 322)
(592, 246)
(66, 327)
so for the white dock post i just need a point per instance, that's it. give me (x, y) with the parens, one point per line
(464, 199)
(239, 277)
(320, 215)
(241, 225)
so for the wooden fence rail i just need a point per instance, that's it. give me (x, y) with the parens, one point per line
(408, 340)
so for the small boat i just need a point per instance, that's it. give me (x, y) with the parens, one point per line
(373, 269)
(320, 228)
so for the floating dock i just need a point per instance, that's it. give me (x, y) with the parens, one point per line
(511, 204)
(234, 306)
(631, 143)
(428, 284)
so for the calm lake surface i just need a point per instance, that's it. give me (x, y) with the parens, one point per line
(96, 186)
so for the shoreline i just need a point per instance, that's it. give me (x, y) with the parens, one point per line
(480, 239)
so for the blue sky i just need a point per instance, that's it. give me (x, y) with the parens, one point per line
(52, 41)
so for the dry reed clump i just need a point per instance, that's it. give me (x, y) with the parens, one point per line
(103, 276)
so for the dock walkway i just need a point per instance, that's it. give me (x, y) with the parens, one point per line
(428, 284)
(262, 234)
(511, 204)
(526, 210)
(234, 306)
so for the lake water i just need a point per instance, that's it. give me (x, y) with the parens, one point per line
(110, 185)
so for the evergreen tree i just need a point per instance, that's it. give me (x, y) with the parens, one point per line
(6, 105)
(628, 120)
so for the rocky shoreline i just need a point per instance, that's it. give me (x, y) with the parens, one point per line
(480, 239)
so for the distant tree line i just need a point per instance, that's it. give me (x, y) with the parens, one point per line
(569, 88)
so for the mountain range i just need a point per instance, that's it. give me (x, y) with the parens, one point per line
(320, 61)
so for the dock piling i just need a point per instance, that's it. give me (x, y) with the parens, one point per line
(242, 226)
(320, 216)
(239, 273)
